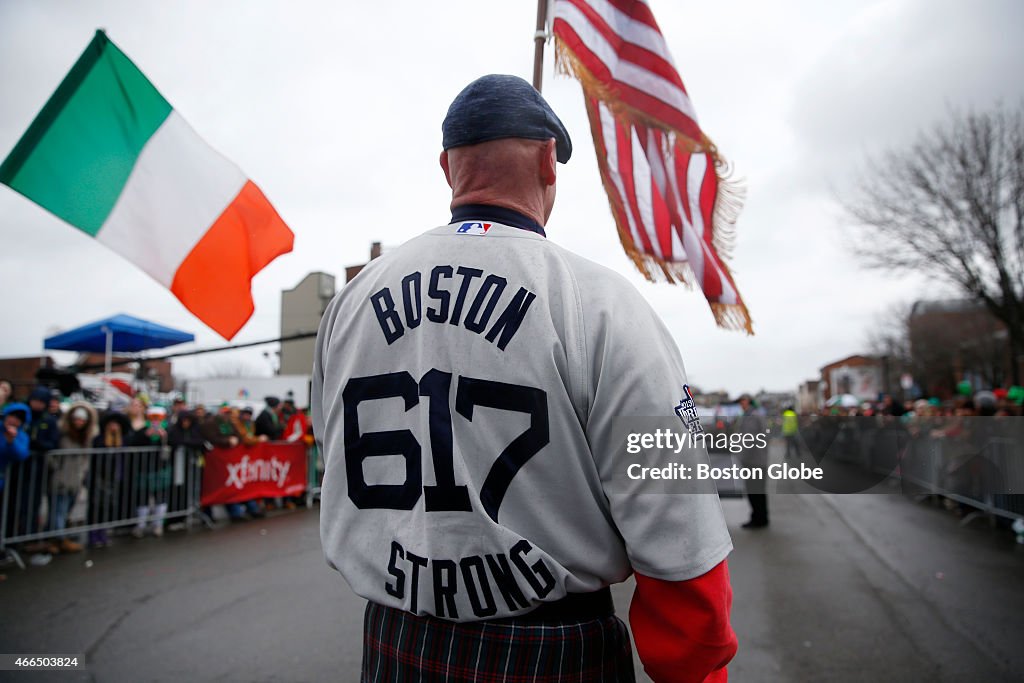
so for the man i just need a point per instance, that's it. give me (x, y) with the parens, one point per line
(891, 408)
(464, 387)
(45, 430)
(178, 408)
(791, 432)
(268, 422)
(54, 407)
(244, 427)
(752, 423)
(216, 428)
(30, 478)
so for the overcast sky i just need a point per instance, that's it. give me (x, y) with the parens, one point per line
(335, 110)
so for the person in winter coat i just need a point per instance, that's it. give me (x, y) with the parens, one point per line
(269, 422)
(186, 443)
(241, 420)
(107, 474)
(15, 441)
(14, 449)
(44, 430)
(186, 432)
(752, 422)
(218, 430)
(298, 427)
(79, 427)
(136, 413)
(28, 481)
(154, 479)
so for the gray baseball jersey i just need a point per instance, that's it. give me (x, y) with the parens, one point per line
(464, 387)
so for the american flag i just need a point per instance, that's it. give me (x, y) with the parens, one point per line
(666, 183)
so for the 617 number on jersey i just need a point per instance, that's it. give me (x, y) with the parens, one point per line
(435, 386)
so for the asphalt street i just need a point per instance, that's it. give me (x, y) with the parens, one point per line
(839, 588)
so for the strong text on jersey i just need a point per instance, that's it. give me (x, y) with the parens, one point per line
(480, 583)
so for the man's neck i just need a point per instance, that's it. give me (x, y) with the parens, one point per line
(524, 205)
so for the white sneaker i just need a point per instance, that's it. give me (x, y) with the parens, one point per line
(139, 532)
(158, 531)
(40, 559)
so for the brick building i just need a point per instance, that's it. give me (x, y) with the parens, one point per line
(21, 372)
(861, 376)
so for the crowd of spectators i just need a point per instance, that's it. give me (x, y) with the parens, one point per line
(995, 403)
(961, 452)
(51, 445)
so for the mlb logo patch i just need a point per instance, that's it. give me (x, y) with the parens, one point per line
(473, 229)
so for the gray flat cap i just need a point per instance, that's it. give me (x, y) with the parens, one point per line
(497, 106)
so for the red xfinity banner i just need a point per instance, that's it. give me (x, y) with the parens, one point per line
(265, 470)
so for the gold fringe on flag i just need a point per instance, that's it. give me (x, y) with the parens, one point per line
(728, 199)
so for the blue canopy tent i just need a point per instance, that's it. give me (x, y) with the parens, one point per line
(121, 333)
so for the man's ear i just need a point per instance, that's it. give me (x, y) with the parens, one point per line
(548, 162)
(444, 165)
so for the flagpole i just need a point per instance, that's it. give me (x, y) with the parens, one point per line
(539, 37)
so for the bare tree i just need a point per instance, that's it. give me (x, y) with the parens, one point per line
(889, 339)
(952, 206)
(890, 333)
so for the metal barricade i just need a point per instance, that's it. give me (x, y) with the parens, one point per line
(921, 467)
(1009, 458)
(977, 462)
(74, 491)
(971, 477)
(315, 474)
(967, 473)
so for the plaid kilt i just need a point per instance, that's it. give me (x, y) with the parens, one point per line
(399, 646)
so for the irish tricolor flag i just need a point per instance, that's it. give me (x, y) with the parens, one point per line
(110, 156)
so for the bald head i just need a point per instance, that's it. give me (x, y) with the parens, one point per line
(515, 173)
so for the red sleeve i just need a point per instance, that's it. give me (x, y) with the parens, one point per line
(681, 628)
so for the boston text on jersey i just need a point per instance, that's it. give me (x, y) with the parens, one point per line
(440, 288)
